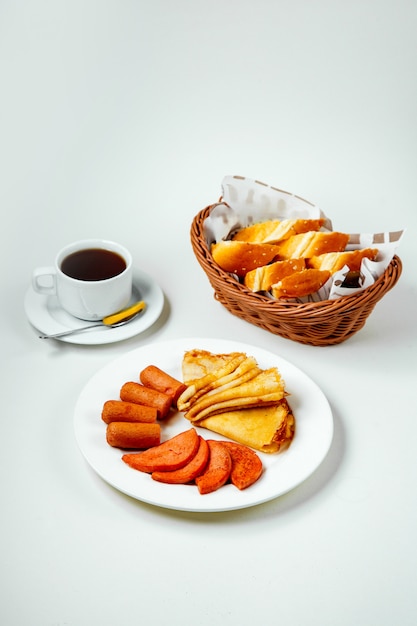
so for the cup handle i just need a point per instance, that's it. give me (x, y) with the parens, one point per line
(44, 272)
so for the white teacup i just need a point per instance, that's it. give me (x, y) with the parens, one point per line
(91, 278)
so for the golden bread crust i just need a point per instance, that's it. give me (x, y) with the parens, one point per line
(311, 244)
(239, 257)
(287, 258)
(262, 278)
(273, 231)
(334, 261)
(300, 284)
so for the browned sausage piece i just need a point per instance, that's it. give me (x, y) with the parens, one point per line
(157, 379)
(120, 411)
(139, 394)
(133, 435)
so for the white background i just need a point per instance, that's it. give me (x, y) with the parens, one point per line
(119, 119)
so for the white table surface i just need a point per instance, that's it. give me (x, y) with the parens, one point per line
(120, 120)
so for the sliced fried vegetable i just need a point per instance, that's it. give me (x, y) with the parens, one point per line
(189, 472)
(168, 456)
(218, 468)
(246, 465)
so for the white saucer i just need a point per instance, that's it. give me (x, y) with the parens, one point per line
(45, 314)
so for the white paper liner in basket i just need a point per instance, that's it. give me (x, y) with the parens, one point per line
(246, 201)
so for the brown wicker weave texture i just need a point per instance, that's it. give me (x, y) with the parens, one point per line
(318, 324)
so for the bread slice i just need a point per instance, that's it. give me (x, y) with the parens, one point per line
(262, 278)
(300, 284)
(334, 261)
(273, 231)
(240, 257)
(312, 244)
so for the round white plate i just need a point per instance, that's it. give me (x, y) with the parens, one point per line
(282, 472)
(45, 314)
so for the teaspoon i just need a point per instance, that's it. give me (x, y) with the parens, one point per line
(111, 321)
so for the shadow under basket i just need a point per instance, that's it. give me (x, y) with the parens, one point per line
(316, 323)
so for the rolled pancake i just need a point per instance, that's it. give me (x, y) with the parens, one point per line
(265, 389)
(198, 363)
(246, 371)
(228, 373)
(254, 413)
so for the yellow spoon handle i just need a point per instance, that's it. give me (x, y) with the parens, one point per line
(115, 318)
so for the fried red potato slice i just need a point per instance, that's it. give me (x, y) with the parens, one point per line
(168, 456)
(190, 471)
(246, 465)
(218, 469)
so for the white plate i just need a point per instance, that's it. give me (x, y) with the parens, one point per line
(283, 472)
(45, 314)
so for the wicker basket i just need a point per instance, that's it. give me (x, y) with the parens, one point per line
(319, 324)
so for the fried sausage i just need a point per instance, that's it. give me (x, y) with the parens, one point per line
(133, 435)
(120, 411)
(139, 394)
(157, 379)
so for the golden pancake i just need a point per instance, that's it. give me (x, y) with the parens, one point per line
(235, 398)
(264, 389)
(214, 368)
(218, 382)
(267, 429)
(197, 363)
